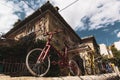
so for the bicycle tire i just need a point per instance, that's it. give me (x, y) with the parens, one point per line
(36, 68)
(74, 69)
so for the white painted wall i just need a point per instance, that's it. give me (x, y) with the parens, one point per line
(103, 49)
(117, 45)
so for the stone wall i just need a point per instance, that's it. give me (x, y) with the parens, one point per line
(110, 76)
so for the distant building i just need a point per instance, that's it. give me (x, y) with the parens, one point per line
(94, 54)
(117, 45)
(91, 41)
(110, 52)
(103, 49)
(107, 54)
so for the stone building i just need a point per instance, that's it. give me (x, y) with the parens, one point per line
(45, 19)
(105, 51)
(48, 19)
(93, 54)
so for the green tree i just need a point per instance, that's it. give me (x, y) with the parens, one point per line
(115, 52)
(116, 55)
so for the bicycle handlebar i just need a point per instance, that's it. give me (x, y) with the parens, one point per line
(54, 32)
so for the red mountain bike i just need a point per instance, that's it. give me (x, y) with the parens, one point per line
(38, 60)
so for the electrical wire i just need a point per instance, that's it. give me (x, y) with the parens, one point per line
(7, 6)
(29, 5)
(68, 5)
(15, 8)
(35, 10)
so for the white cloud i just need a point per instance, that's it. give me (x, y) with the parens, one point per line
(7, 18)
(105, 30)
(118, 34)
(99, 12)
(115, 31)
(7, 13)
(107, 13)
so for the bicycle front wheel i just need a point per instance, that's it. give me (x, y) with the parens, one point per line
(35, 67)
(74, 69)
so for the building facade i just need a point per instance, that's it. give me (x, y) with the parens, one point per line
(103, 49)
(93, 54)
(45, 19)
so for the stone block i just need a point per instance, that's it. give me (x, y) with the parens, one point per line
(85, 78)
(57, 78)
(44, 78)
(71, 78)
(3, 77)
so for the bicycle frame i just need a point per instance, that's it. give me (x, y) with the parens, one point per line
(45, 51)
(41, 63)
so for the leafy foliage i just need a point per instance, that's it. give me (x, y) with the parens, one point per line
(20, 48)
(116, 53)
(24, 45)
(116, 58)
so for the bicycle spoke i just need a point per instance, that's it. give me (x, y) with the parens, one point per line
(45, 65)
(39, 68)
(74, 69)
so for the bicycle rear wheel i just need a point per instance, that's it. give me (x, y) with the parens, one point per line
(74, 69)
(35, 67)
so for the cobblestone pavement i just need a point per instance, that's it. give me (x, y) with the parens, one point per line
(110, 76)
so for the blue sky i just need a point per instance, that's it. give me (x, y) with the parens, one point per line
(107, 35)
(100, 18)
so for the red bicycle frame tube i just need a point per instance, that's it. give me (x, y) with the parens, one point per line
(47, 47)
